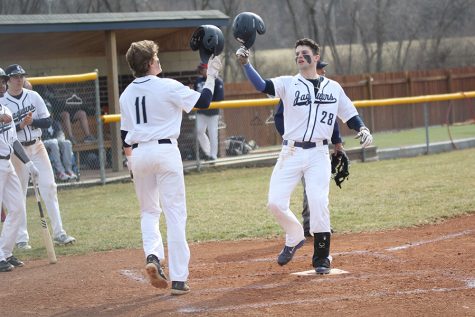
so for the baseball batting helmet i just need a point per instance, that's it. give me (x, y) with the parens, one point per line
(3, 74)
(245, 26)
(321, 64)
(15, 69)
(209, 40)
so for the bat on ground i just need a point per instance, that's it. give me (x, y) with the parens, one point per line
(46, 235)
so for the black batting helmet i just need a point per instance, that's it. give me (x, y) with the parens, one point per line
(3, 74)
(245, 26)
(209, 40)
(15, 69)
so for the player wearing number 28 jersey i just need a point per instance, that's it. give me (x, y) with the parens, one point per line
(312, 104)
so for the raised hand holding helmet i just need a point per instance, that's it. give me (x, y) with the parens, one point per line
(242, 55)
(214, 66)
(365, 137)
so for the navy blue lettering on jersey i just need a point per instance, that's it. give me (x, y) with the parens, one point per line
(21, 113)
(302, 99)
(5, 127)
(322, 98)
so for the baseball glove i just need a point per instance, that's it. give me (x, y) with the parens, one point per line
(340, 167)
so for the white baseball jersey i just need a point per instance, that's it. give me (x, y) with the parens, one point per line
(142, 120)
(29, 101)
(10, 189)
(151, 109)
(309, 117)
(7, 133)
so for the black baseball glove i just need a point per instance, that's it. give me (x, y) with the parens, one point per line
(340, 167)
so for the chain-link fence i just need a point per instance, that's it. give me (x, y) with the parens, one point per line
(73, 103)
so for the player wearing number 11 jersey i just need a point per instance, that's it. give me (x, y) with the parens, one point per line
(151, 113)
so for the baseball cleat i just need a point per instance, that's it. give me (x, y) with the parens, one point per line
(64, 239)
(287, 253)
(322, 266)
(15, 262)
(180, 288)
(155, 272)
(5, 266)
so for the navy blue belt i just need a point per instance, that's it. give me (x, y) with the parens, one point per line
(304, 145)
(5, 157)
(161, 141)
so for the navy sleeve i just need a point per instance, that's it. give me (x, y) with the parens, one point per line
(205, 99)
(355, 123)
(43, 123)
(279, 118)
(123, 135)
(20, 152)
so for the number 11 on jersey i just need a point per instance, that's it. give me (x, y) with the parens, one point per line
(137, 109)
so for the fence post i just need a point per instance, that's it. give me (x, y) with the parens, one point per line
(197, 145)
(370, 96)
(426, 125)
(100, 134)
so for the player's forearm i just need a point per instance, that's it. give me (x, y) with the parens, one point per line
(355, 123)
(43, 123)
(20, 152)
(205, 99)
(254, 77)
(123, 135)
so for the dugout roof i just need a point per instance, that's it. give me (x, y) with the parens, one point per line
(83, 34)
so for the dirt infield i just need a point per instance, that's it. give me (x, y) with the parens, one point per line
(423, 271)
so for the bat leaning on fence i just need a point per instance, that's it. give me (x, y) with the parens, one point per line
(44, 226)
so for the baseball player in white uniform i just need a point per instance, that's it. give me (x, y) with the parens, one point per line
(312, 104)
(30, 116)
(151, 114)
(10, 189)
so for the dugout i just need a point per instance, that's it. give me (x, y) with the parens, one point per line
(61, 44)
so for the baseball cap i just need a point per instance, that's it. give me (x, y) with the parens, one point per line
(15, 69)
(321, 64)
(203, 66)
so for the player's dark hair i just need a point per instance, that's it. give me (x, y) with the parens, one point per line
(139, 56)
(310, 43)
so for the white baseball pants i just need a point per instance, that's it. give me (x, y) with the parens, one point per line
(208, 145)
(11, 197)
(159, 181)
(46, 184)
(293, 163)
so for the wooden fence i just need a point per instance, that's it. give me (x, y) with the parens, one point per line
(376, 86)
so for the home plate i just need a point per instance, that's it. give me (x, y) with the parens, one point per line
(312, 272)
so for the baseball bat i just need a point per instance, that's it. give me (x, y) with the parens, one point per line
(46, 235)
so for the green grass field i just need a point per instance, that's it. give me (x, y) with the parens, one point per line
(231, 204)
(417, 136)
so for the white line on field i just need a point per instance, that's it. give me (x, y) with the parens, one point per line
(418, 243)
(313, 301)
